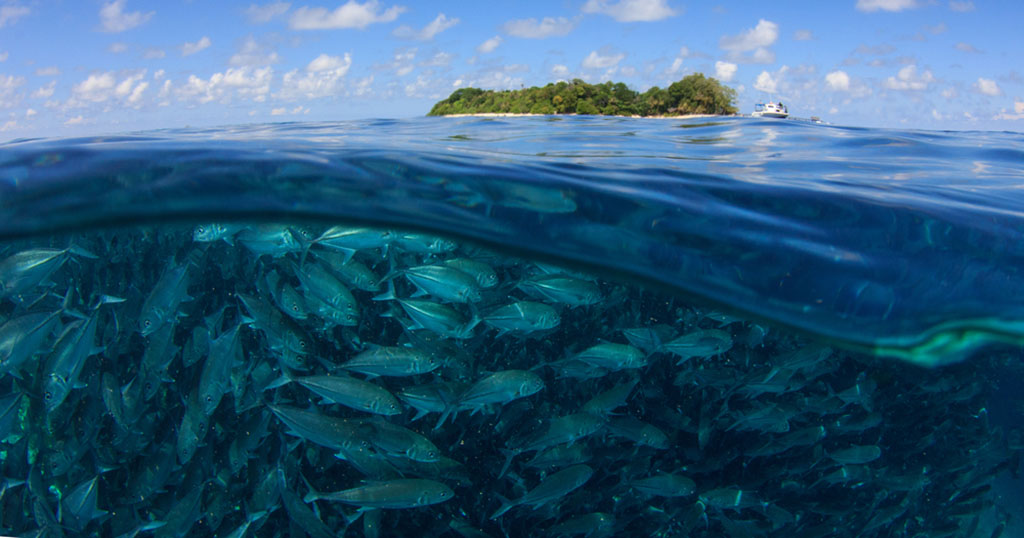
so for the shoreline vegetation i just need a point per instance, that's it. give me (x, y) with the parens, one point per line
(694, 95)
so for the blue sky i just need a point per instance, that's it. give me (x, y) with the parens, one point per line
(73, 67)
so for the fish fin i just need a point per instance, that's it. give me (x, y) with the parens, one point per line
(506, 505)
(509, 455)
(389, 294)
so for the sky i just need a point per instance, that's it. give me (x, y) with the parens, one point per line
(81, 67)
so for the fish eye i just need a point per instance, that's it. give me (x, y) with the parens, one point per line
(302, 344)
(146, 322)
(201, 229)
(431, 454)
(295, 307)
(48, 395)
(149, 386)
(209, 398)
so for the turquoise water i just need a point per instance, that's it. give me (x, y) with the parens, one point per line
(811, 329)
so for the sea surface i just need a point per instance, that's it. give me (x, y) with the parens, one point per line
(533, 326)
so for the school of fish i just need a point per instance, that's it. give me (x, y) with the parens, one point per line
(262, 379)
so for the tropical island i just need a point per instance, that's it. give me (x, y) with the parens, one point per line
(694, 94)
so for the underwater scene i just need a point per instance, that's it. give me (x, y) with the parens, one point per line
(512, 327)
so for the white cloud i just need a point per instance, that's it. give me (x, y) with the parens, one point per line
(362, 86)
(494, 79)
(47, 71)
(252, 54)
(9, 96)
(489, 45)
(403, 62)
(189, 49)
(967, 47)
(950, 93)
(559, 70)
(75, 120)
(241, 82)
(350, 15)
(279, 111)
(966, 5)
(96, 88)
(762, 35)
(987, 86)
(321, 78)
(30, 112)
(436, 26)
(767, 83)
(113, 18)
(45, 92)
(908, 79)
(869, 6)
(135, 97)
(838, 81)
(724, 71)
(533, 29)
(10, 14)
(754, 41)
(440, 59)
(117, 48)
(261, 14)
(803, 35)
(631, 10)
(153, 53)
(159, 74)
(597, 61)
(1018, 112)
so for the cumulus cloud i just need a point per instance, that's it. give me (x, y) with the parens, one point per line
(47, 71)
(350, 15)
(838, 81)
(252, 53)
(631, 10)
(236, 82)
(438, 25)
(10, 14)
(752, 46)
(45, 92)
(114, 19)
(908, 79)
(259, 14)
(534, 29)
(869, 6)
(987, 86)
(597, 61)
(762, 35)
(321, 78)
(75, 120)
(106, 86)
(1018, 112)
(9, 85)
(189, 49)
(501, 78)
(559, 70)
(966, 5)
(489, 45)
(677, 63)
(768, 83)
(724, 71)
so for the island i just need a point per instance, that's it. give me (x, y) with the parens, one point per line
(694, 94)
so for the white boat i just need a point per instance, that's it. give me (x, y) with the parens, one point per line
(770, 110)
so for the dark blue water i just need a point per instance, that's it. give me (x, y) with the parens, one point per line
(660, 327)
(900, 243)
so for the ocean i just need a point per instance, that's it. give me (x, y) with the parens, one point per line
(513, 326)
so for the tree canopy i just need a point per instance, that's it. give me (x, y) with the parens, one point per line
(694, 94)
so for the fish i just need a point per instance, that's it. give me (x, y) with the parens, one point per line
(523, 317)
(665, 485)
(699, 343)
(500, 388)
(392, 361)
(390, 494)
(551, 489)
(353, 393)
